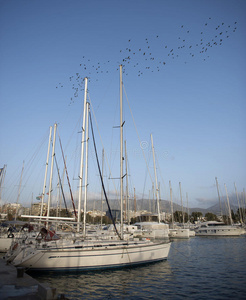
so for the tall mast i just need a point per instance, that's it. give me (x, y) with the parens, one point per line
(228, 203)
(243, 202)
(86, 166)
(121, 154)
(18, 197)
(217, 185)
(2, 177)
(51, 169)
(239, 209)
(181, 203)
(82, 159)
(149, 201)
(102, 189)
(45, 175)
(60, 198)
(156, 183)
(127, 193)
(188, 211)
(171, 200)
(57, 197)
(153, 198)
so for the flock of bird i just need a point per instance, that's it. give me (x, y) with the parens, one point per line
(154, 54)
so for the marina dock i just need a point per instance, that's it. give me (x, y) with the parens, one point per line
(15, 284)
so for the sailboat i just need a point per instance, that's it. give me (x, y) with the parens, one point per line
(85, 254)
(174, 230)
(154, 230)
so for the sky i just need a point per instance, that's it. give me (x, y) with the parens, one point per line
(184, 73)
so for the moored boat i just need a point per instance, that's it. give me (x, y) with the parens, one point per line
(85, 253)
(179, 233)
(215, 228)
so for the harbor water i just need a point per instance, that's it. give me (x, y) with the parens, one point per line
(197, 268)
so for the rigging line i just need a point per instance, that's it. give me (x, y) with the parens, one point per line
(106, 198)
(74, 130)
(28, 164)
(61, 186)
(112, 152)
(138, 134)
(163, 182)
(29, 167)
(130, 183)
(75, 169)
(67, 177)
(105, 154)
(223, 202)
(145, 178)
(37, 150)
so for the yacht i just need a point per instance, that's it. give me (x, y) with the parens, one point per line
(215, 228)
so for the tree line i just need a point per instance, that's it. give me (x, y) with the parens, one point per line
(237, 217)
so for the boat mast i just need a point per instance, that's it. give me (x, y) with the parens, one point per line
(121, 153)
(45, 175)
(156, 183)
(150, 201)
(188, 211)
(181, 203)
(82, 159)
(86, 165)
(127, 193)
(218, 195)
(2, 177)
(63, 175)
(102, 189)
(171, 199)
(18, 197)
(243, 202)
(57, 198)
(228, 203)
(51, 169)
(240, 213)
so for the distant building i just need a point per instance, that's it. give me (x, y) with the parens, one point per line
(36, 208)
(11, 208)
(96, 213)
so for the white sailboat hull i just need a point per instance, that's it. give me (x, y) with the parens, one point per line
(91, 257)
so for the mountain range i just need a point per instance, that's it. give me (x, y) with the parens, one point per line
(165, 206)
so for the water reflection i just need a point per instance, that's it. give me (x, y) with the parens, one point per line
(198, 268)
(111, 283)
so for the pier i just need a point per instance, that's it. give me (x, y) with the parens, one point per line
(15, 284)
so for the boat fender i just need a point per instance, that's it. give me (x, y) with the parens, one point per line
(10, 235)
